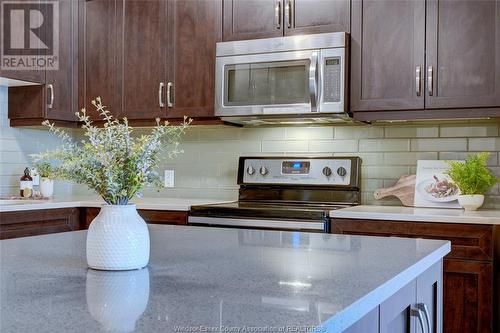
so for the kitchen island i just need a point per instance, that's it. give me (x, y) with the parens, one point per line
(218, 280)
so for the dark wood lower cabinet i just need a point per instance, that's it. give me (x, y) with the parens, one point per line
(471, 297)
(48, 221)
(38, 222)
(150, 216)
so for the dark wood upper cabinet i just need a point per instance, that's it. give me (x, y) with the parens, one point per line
(194, 29)
(55, 97)
(252, 19)
(316, 16)
(387, 51)
(150, 59)
(142, 58)
(98, 54)
(437, 58)
(463, 51)
(273, 18)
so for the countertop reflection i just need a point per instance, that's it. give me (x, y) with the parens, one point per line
(199, 279)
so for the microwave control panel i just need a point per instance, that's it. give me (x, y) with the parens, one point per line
(332, 79)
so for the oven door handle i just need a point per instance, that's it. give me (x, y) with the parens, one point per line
(313, 81)
(258, 223)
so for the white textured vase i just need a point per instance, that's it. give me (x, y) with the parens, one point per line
(46, 187)
(118, 239)
(471, 202)
(117, 299)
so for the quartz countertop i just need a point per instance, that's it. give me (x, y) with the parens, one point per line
(399, 213)
(209, 279)
(176, 204)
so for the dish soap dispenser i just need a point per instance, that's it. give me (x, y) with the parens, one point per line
(26, 184)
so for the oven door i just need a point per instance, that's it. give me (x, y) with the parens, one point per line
(267, 84)
(290, 225)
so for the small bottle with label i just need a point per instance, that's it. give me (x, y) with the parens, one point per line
(26, 184)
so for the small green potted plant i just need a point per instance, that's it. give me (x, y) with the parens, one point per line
(47, 175)
(473, 178)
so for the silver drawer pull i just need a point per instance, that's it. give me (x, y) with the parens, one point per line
(277, 14)
(418, 73)
(416, 312)
(160, 95)
(169, 95)
(50, 88)
(430, 74)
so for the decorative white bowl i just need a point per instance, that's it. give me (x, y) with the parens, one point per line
(471, 202)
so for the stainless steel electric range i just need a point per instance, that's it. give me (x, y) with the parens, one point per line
(286, 193)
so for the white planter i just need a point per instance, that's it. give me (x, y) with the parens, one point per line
(471, 202)
(46, 187)
(118, 239)
(117, 299)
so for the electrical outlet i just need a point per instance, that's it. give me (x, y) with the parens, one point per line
(169, 178)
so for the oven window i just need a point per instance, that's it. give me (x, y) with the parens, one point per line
(283, 82)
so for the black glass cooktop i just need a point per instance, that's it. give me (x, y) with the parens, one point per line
(254, 209)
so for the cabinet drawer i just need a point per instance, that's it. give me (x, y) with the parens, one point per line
(468, 241)
(38, 222)
(150, 216)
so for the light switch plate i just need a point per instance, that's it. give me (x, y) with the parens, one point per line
(169, 178)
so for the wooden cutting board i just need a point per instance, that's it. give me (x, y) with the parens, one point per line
(404, 190)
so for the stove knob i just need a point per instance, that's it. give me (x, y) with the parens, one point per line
(250, 170)
(341, 171)
(327, 171)
(263, 171)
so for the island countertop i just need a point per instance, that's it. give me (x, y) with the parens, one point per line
(207, 278)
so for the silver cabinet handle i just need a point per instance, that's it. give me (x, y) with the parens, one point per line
(313, 81)
(430, 74)
(160, 95)
(416, 312)
(418, 84)
(288, 13)
(425, 309)
(277, 14)
(169, 95)
(50, 88)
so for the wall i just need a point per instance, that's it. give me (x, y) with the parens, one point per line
(209, 163)
(16, 145)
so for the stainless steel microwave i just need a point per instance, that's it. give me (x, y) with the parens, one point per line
(283, 79)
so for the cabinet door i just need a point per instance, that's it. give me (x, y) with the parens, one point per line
(468, 296)
(430, 296)
(251, 19)
(141, 64)
(98, 54)
(395, 312)
(61, 85)
(194, 28)
(32, 41)
(316, 16)
(463, 50)
(387, 49)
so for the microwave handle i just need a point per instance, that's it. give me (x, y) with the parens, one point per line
(313, 82)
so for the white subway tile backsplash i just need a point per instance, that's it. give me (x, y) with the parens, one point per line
(459, 144)
(408, 158)
(359, 132)
(285, 146)
(383, 145)
(333, 146)
(484, 144)
(308, 133)
(469, 131)
(411, 132)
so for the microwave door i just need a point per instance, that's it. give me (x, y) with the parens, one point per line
(264, 84)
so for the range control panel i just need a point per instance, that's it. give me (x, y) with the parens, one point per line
(298, 171)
